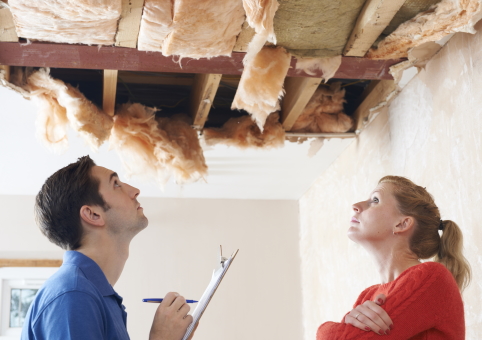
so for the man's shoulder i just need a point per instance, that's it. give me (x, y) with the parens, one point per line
(68, 281)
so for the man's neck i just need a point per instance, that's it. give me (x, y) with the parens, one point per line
(109, 254)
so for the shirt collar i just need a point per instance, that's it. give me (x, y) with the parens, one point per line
(91, 271)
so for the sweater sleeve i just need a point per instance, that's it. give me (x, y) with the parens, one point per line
(416, 302)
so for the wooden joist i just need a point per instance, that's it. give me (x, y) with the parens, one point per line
(110, 90)
(7, 26)
(202, 97)
(130, 59)
(373, 19)
(129, 23)
(375, 94)
(6, 70)
(299, 91)
(29, 263)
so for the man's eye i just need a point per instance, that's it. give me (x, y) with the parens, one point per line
(116, 183)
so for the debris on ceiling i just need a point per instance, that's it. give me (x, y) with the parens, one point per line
(247, 73)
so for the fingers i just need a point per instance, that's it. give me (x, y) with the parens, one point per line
(380, 299)
(370, 315)
(169, 298)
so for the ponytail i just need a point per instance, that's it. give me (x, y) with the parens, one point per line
(450, 254)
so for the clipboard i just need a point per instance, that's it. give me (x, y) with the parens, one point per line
(213, 285)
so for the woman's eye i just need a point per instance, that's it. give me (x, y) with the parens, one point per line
(375, 199)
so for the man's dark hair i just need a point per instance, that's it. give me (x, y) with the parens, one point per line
(58, 203)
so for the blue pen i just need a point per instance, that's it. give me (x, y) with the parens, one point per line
(160, 300)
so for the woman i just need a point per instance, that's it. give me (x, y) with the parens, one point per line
(399, 225)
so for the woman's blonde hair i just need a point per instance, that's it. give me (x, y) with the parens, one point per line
(415, 201)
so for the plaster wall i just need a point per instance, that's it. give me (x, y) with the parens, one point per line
(432, 134)
(258, 299)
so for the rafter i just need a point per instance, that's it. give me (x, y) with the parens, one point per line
(109, 91)
(373, 19)
(130, 59)
(375, 94)
(298, 92)
(202, 97)
(6, 69)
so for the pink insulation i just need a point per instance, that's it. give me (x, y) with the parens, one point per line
(444, 18)
(60, 105)
(260, 16)
(324, 112)
(67, 21)
(191, 28)
(156, 24)
(157, 149)
(261, 84)
(243, 133)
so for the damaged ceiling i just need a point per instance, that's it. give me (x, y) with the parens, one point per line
(168, 58)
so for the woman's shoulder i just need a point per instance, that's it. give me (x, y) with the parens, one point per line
(426, 273)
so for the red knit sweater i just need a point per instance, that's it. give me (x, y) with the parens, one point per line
(424, 302)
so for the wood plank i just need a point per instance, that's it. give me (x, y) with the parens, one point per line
(29, 263)
(6, 69)
(375, 94)
(129, 23)
(202, 97)
(373, 19)
(298, 93)
(110, 90)
(40, 54)
(7, 26)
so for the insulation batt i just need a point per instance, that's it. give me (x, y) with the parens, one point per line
(328, 66)
(61, 104)
(261, 84)
(324, 112)
(197, 29)
(260, 16)
(92, 22)
(444, 18)
(243, 133)
(157, 149)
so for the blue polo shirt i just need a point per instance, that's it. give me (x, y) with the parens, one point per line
(77, 302)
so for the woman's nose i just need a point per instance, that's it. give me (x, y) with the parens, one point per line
(357, 207)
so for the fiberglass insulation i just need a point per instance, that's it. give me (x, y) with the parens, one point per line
(444, 18)
(191, 28)
(261, 84)
(61, 104)
(324, 112)
(92, 22)
(243, 133)
(157, 149)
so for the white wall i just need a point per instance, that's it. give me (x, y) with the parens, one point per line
(432, 134)
(260, 297)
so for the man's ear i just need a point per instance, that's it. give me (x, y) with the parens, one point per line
(406, 224)
(92, 215)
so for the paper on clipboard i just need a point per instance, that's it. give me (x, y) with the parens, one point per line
(216, 279)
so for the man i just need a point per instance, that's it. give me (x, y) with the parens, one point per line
(88, 211)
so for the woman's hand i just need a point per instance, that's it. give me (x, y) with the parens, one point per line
(369, 316)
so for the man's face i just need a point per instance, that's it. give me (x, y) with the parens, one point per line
(125, 216)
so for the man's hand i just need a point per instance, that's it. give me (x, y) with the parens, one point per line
(171, 319)
(369, 316)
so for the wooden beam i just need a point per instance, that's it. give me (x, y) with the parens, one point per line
(129, 59)
(373, 19)
(110, 90)
(375, 94)
(6, 69)
(7, 26)
(298, 93)
(133, 78)
(129, 23)
(29, 263)
(202, 97)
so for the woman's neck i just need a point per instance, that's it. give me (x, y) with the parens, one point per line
(393, 261)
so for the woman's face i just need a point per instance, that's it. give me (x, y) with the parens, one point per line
(375, 219)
